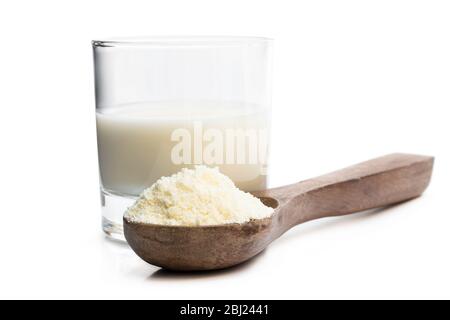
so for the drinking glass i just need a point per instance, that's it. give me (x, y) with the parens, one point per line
(165, 103)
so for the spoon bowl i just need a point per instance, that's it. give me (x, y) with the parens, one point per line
(372, 184)
(199, 248)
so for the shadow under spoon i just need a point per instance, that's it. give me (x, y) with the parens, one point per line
(376, 183)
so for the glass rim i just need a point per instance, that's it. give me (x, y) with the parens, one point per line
(181, 41)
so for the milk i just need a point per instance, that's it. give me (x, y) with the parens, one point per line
(139, 143)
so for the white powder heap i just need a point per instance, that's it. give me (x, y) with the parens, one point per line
(196, 197)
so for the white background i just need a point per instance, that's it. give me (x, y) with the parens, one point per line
(352, 80)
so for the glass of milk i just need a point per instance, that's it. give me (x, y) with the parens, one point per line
(165, 103)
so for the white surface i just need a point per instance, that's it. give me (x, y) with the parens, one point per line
(353, 80)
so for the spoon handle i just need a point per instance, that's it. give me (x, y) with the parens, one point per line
(376, 183)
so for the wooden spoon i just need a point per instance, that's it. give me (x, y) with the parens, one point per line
(372, 184)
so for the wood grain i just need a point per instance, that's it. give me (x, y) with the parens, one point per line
(376, 183)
